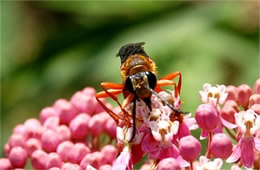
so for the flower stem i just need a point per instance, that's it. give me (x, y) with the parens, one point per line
(191, 165)
(208, 153)
(230, 133)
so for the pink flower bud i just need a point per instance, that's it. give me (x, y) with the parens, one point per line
(254, 99)
(84, 103)
(64, 149)
(109, 153)
(90, 91)
(39, 159)
(79, 126)
(257, 87)
(17, 140)
(189, 148)
(54, 160)
(32, 122)
(20, 129)
(256, 108)
(111, 128)
(232, 95)
(96, 124)
(5, 164)
(168, 164)
(78, 152)
(64, 132)
(32, 145)
(50, 140)
(65, 110)
(52, 123)
(54, 168)
(46, 113)
(94, 159)
(33, 128)
(233, 104)
(221, 146)
(228, 113)
(18, 157)
(243, 93)
(7, 149)
(206, 117)
(99, 108)
(70, 166)
(105, 167)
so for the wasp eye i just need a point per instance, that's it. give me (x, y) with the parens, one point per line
(151, 79)
(129, 85)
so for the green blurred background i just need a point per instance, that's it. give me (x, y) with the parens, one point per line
(51, 49)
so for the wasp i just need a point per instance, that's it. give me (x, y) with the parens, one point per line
(139, 82)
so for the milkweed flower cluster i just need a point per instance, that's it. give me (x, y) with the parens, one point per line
(68, 135)
(78, 134)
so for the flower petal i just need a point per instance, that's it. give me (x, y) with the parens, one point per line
(122, 161)
(257, 143)
(149, 144)
(227, 124)
(236, 154)
(247, 152)
(204, 134)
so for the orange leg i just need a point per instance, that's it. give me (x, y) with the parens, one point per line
(171, 76)
(115, 89)
(161, 83)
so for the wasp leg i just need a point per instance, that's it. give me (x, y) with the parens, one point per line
(116, 89)
(161, 83)
(171, 76)
(104, 94)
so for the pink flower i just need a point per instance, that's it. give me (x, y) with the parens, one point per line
(257, 87)
(78, 152)
(64, 150)
(32, 145)
(243, 93)
(256, 108)
(39, 159)
(168, 164)
(46, 113)
(206, 117)
(221, 146)
(158, 150)
(109, 153)
(79, 126)
(70, 166)
(65, 110)
(254, 99)
(50, 140)
(18, 157)
(123, 161)
(5, 164)
(232, 94)
(189, 148)
(54, 160)
(213, 95)
(205, 163)
(248, 124)
(93, 159)
(161, 126)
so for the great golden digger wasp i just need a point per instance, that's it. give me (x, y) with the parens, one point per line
(138, 73)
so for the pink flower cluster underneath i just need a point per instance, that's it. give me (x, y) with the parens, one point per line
(78, 134)
(68, 135)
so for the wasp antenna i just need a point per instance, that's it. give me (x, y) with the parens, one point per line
(134, 123)
(163, 100)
